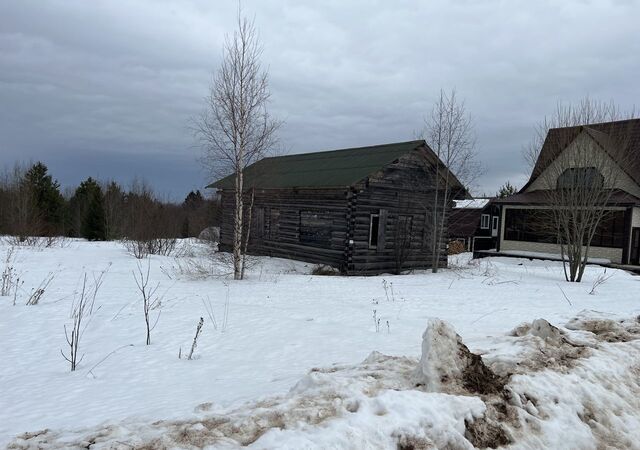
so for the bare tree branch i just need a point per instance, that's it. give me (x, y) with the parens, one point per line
(450, 133)
(235, 128)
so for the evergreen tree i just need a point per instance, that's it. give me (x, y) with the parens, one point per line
(93, 225)
(46, 200)
(88, 211)
(506, 190)
(193, 200)
(114, 208)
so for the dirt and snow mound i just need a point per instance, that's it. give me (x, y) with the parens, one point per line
(369, 405)
(541, 329)
(605, 328)
(446, 361)
(449, 398)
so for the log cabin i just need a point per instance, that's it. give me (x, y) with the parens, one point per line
(364, 211)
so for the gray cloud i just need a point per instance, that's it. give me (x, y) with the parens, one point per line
(107, 87)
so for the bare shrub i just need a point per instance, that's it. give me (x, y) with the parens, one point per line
(600, 280)
(388, 289)
(141, 248)
(213, 264)
(81, 309)
(195, 338)
(194, 268)
(162, 246)
(150, 300)
(37, 241)
(97, 283)
(225, 314)
(37, 293)
(9, 277)
(136, 248)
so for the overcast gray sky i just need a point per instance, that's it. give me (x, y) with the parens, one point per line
(106, 88)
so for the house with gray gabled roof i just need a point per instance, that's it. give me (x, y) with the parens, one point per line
(616, 145)
(363, 210)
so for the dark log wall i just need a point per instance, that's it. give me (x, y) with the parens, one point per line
(332, 226)
(403, 196)
(276, 224)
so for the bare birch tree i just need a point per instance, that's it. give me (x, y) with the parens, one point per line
(235, 128)
(450, 133)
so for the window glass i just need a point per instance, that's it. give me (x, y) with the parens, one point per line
(273, 224)
(315, 228)
(484, 221)
(374, 226)
(535, 225)
(580, 177)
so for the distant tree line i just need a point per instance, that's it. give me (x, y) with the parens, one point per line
(32, 205)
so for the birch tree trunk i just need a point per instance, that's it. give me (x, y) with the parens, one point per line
(235, 128)
(450, 134)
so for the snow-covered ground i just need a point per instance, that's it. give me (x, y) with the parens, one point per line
(283, 361)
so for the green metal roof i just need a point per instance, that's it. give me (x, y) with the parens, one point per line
(336, 168)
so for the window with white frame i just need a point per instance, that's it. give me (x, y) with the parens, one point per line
(484, 221)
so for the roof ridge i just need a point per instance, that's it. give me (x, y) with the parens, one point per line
(324, 152)
(590, 125)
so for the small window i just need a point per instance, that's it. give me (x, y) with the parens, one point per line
(272, 227)
(580, 178)
(484, 221)
(374, 226)
(315, 228)
(495, 223)
(259, 223)
(403, 231)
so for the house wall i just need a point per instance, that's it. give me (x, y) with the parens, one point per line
(635, 218)
(577, 155)
(275, 224)
(612, 254)
(635, 223)
(406, 189)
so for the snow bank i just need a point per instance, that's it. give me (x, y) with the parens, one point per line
(592, 403)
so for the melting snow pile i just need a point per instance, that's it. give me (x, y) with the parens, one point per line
(540, 386)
